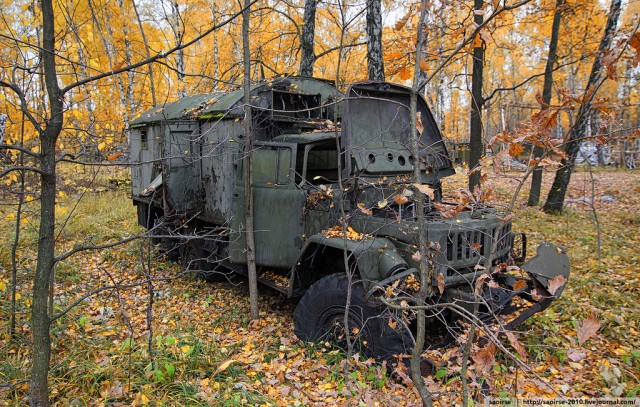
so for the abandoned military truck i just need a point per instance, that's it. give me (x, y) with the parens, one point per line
(321, 160)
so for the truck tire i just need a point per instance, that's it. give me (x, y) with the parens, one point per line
(319, 316)
(194, 258)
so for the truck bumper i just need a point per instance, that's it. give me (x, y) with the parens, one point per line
(517, 293)
(548, 274)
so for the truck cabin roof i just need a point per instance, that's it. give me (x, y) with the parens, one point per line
(284, 99)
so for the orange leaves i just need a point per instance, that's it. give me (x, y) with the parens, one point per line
(424, 65)
(364, 210)
(519, 285)
(403, 21)
(393, 55)
(425, 189)
(447, 211)
(113, 156)
(119, 65)
(507, 218)
(337, 231)
(404, 73)
(400, 199)
(634, 42)
(419, 125)
(515, 150)
(609, 62)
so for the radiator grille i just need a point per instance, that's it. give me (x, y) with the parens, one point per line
(470, 245)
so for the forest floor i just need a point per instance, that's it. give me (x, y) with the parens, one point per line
(206, 351)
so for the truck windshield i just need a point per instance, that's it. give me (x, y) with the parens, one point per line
(317, 164)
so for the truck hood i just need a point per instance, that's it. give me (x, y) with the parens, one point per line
(376, 133)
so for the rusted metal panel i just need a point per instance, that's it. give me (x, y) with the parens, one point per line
(220, 141)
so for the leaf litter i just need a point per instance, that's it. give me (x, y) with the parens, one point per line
(206, 351)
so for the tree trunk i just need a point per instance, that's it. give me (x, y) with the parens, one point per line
(176, 23)
(112, 54)
(477, 101)
(536, 178)
(555, 199)
(41, 350)
(307, 39)
(152, 85)
(426, 264)
(248, 175)
(375, 62)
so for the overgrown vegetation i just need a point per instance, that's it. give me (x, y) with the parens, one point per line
(207, 352)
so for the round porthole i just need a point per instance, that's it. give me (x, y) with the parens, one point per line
(372, 158)
(401, 160)
(389, 156)
(411, 159)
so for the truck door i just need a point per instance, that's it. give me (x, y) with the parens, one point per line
(182, 177)
(278, 206)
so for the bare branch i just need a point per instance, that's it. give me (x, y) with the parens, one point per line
(22, 168)
(19, 148)
(78, 249)
(470, 38)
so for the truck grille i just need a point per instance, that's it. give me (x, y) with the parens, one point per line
(469, 246)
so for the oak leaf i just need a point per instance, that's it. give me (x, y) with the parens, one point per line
(392, 324)
(516, 345)
(393, 55)
(424, 66)
(425, 189)
(556, 283)
(588, 328)
(484, 358)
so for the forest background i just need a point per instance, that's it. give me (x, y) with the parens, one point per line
(96, 39)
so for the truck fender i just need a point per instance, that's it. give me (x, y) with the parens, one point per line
(549, 262)
(375, 258)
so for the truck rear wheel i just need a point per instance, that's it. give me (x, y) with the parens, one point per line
(195, 258)
(375, 329)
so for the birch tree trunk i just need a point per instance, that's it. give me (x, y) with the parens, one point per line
(555, 199)
(152, 85)
(176, 24)
(375, 63)
(307, 39)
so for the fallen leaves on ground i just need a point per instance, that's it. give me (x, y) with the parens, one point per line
(207, 351)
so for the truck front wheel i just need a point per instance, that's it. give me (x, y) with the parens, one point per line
(373, 328)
